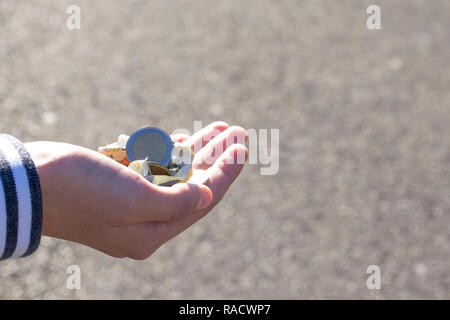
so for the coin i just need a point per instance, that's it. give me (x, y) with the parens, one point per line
(116, 150)
(113, 152)
(125, 162)
(184, 173)
(181, 154)
(182, 158)
(165, 181)
(145, 168)
(141, 167)
(152, 143)
(122, 141)
(152, 154)
(157, 169)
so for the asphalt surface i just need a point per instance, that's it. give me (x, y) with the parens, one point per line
(364, 140)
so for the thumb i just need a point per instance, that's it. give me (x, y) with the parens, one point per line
(171, 203)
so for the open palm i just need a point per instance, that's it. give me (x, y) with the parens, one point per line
(91, 199)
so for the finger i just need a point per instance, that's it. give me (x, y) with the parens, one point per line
(167, 204)
(203, 136)
(225, 171)
(221, 175)
(179, 137)
(208, 155)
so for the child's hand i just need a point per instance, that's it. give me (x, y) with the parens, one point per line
(91, 199)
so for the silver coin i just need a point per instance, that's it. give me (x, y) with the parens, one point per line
(152, 143)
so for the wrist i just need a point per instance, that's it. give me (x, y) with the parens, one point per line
(45, 156)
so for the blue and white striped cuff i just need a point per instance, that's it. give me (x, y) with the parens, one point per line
(20, 200)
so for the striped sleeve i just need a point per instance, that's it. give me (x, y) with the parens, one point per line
(20, 200)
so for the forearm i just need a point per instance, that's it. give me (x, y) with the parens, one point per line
(20, 200)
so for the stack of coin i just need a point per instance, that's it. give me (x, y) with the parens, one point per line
(116, 150)
(152, 154)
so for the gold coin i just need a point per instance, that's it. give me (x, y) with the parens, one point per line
(157, 169)
(165, 181)
(117, 154)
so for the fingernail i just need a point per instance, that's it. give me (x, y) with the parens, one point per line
(205, 199)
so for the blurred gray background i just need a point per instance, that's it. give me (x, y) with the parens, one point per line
(364, 119)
